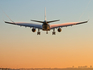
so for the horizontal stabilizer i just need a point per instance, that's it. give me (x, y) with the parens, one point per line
(52, 21)
(37, 21)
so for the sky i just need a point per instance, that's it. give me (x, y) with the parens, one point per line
(21, 48)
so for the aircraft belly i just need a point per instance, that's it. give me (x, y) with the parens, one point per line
(45, 27)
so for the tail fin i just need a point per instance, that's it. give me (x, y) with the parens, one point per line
(45, 13)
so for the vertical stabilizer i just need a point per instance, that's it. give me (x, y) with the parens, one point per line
(45, 14)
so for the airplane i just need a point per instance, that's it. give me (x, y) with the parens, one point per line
(44, 26)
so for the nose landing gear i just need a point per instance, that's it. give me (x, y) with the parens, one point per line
(46, 32)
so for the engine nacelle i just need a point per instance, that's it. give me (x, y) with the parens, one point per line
(59, 30)
(33, 30)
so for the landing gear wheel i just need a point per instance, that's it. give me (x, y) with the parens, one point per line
(38, 33)
(53, 33)
(47, 32)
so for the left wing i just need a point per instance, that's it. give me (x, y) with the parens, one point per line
(26, 24)
(52, 26)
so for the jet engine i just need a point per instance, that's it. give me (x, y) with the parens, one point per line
(33, 30)
(59, 30)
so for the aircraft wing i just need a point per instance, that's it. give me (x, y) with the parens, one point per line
(26, 24)
(52, 26)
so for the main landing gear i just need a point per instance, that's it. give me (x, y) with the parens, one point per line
(38, 33)
(53, 33)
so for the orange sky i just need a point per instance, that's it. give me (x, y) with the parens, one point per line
(42, 56)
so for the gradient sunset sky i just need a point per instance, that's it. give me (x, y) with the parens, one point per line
(21, 48)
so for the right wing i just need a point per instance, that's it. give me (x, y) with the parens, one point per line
(26, 24)
(52, 26)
